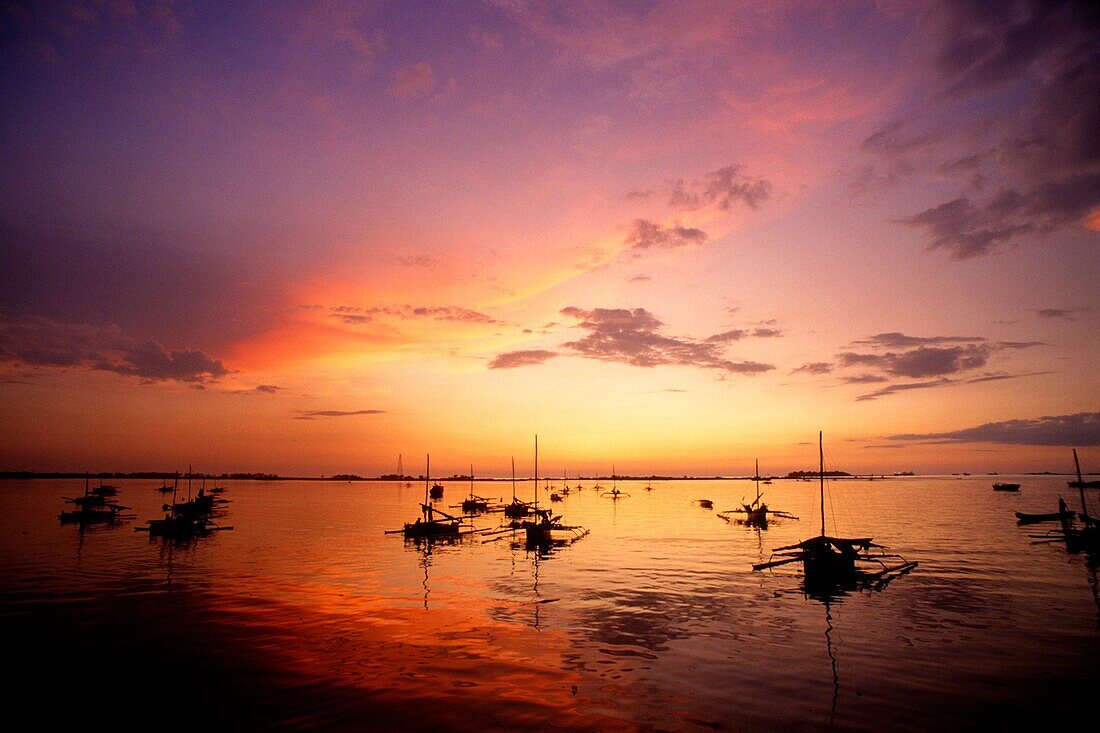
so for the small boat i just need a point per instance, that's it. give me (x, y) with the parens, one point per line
(1079, 484)
(428, 526)
(834, 563)
(436, 491)
(1006, 487)
(91, 508)
(706, 503)
(756, 513)
(539, 530)
(474, 504)
(555, 497)
(614, 494)
(184, 520)
(1026, 518)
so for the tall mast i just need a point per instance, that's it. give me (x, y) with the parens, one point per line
(513, 478)
(821, 455)
(536, 471)
(471, 480)
(757, 480)
(427, 475)
(1081, 488)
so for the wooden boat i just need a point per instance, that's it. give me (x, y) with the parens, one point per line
(91, 508)
(614, 494)
(428, 525)
(706, 503)
(474, 504)
(184, 520)
(1079, 484)
(517, 509)
(538, 531)
(831, 563)
(756, 513)
(1086, 536)
(436, 491)
(1026, 518)
(1006, 487)
(555, 497)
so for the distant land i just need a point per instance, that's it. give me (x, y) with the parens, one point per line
(254, 476)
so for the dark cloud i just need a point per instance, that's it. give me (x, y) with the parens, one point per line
(763, 333)
(311, 414)
(895, 340)
(1080, 429)
(1064, 314)
(735, 334)
(1043, 157)
(814, 367)
(924, 361)
(528, 357)
(645, 234)
(863, 379)
(632, 336)
(261, 389)
(36, 341)
(721, 189)
(639, 279)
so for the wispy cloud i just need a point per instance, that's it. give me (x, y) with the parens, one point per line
(633, 336)
(1079, 429)
(646, 235)
(313, 414)
(814, 367)
(721, 189)
(1061, 314)
(357, 315)
(528, 357)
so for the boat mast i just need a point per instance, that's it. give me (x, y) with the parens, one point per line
(1081, 488)
(821, 456)
(513, 479)
(536, 471)
(758, 481)
(471, 480)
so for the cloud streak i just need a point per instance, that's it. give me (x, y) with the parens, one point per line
(313, 414)
(1080, 429)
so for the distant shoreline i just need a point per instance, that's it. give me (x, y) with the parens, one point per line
(792, 476)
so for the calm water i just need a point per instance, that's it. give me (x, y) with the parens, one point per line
(306, 616)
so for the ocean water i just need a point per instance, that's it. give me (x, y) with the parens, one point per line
(306, 616)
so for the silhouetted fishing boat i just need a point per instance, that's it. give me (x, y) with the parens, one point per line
(837, 562)
(436, 491)
(1025, 518)
(474, 504)
(184, 520)
(429, 525)
(555, 497)
(614, 494)
(1086, 535)
(517, 509)
(705, 503)
(540, 528)
(1079, 484)
(92, 508)
(1006, 487)
(756, 513)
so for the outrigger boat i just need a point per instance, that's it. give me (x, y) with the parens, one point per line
(1006, 487)
(428, 525)
(436, 492)
(830, 563)
(1078, 537)
(474, 504)
(756, 513)
(1058, 516)
(539, 528)
(517, 509)
(186, 519)
(614, 494)
(705, 503)
(92, 508)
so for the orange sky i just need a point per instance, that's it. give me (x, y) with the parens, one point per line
(306, 238)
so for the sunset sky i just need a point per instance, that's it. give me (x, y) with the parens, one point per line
(670, 236)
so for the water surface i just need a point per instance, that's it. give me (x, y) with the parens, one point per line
(306, 616)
